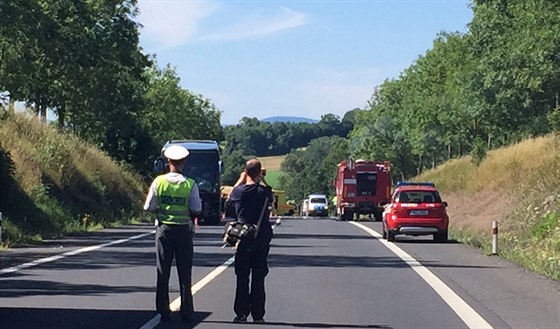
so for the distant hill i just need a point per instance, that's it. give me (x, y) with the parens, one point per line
(289, 119)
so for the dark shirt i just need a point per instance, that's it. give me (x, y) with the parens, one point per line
(249, 201)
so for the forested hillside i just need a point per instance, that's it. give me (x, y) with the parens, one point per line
(252, 137)
(82, 61)
(496, 84)
(492, 86)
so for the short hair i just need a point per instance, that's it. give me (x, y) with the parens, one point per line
(253, 168)
(177, 163)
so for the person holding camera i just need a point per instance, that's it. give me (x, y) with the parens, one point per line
(251, 267)
(243, 178)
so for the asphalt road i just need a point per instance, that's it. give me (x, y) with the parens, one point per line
(323, 274)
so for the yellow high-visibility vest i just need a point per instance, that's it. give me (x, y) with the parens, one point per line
(173, 200)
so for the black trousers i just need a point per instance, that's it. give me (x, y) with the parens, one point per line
(251, 261)
(174, 241)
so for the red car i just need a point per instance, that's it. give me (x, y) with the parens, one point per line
(415, 209)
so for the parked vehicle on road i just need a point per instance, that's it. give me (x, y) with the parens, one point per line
(282, 206)
(416, 209)
(362, 188)
(317, 205)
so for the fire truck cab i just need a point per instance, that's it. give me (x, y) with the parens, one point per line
(362, 187)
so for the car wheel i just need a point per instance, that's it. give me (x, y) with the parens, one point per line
(391, 236)
(441, 236)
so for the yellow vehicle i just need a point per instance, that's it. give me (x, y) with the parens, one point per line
(283, 207)
(225, 191)
(224, 195)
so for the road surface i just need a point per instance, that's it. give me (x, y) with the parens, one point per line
(323, 274)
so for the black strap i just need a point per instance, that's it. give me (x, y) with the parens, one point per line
(261, 216)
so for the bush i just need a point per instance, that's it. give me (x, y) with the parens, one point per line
(478, 151)
(554, 119)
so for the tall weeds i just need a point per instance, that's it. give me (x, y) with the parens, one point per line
(53, 183)
(527, 173)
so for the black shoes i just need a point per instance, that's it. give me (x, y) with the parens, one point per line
(240, 319)
(243, 319)
(165, 318)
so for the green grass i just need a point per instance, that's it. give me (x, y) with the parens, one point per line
(272, 177)
(273, 172)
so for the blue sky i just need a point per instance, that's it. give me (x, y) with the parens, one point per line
(295, 58)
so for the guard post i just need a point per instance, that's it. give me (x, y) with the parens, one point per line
(494, 238)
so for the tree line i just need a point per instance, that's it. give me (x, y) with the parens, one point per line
(496, 84)
(493, 85)
(81, 59)
(252, 137)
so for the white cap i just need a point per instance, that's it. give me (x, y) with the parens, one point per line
(176, 152)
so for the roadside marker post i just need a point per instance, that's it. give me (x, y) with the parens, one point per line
(494, 238)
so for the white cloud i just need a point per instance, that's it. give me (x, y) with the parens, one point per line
(170, 23)
(258, 25)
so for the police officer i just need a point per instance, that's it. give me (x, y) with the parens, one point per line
(174, 199)
(250, 198)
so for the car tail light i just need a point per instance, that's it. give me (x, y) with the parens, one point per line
(399, 211)
(438, 211)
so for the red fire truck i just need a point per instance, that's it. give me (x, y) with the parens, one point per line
(362, 188)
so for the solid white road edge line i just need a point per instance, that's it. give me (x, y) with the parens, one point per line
(176, 304)
(69, 253)
(458, 305)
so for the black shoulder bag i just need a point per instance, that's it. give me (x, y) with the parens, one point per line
(235, 231)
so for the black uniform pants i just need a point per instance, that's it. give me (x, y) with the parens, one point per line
(174, 241)
(251, 260)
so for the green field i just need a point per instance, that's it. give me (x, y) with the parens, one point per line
(273, 172)
(272, 177)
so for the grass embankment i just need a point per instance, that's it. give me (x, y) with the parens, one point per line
(519, 186)
(52, 183)
(273, 172)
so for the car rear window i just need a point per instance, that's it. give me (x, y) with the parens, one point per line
(318, 200)
(418, 197)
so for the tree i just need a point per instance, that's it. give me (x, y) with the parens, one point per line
(233, 166)
(313, 170)
(171, 112)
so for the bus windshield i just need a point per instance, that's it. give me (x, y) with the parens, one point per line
(202, 166)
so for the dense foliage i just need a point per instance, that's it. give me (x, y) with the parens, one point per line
(496, 84)
(254, 137)
(313, 170)
(82, 60)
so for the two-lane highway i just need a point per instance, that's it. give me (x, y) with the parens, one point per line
(323, 274)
